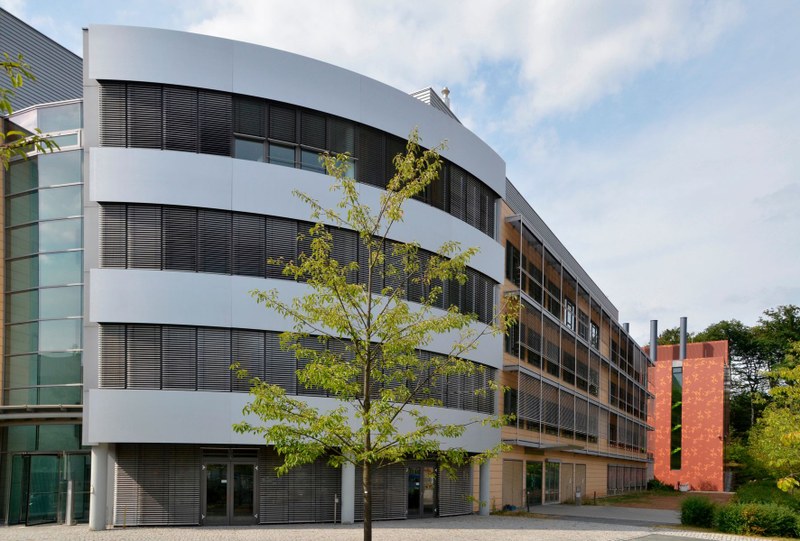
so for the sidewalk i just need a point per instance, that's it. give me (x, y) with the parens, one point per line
(610, 514)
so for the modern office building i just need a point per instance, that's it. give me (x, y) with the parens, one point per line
(690, 415)
(189, 148)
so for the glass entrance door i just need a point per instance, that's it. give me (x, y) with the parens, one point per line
(229, 493)
(533, 484)
(421, 491)
(42, 489)
(551, 482)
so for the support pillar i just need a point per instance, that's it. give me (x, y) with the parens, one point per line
(348, 493)
(98, 489)
(483, 494)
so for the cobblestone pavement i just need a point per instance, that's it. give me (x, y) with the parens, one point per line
(472, 528)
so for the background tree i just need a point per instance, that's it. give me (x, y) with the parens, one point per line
(360, 342)
(14, 142)
(775, 439)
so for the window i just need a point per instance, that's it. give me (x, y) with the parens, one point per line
(594, 335)
(569, 314)
(281, 155)
(583, 324)
(248, 149)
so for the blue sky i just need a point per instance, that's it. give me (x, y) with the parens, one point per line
(659, 140)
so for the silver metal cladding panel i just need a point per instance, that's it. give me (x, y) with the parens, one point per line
(161, 56)
(58, 71)
(521, 206)
(207, 417)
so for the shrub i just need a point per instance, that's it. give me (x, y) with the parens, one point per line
(766, 519)
(697, 511)
(659, 486)
(766, 492)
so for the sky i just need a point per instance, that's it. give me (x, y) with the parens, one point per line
(659, 140)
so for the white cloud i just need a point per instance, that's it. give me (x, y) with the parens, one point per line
(564, 55)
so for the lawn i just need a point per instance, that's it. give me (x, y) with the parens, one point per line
(660, 499)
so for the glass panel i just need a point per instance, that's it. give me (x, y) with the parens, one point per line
(310, 161)
(60, 202)
(19, 491)
(22, 338)
(42, 489)
(60, 302)
(21, 438)
(551, 481)
(60, 334)
(21, 176)
(429, 490)
(281, 155)
(60, 235)
(533, 483)
(247, 149)
(68, 140)
(60, 269)
(414, 478)
(59, 437)
(79, 471)
(60, 168)
(23, 306)
(23, 240)
(60, 118)
(217, 492)
(23, 273)
(243, 490)
(23, 209)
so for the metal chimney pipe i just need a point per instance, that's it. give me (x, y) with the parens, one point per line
(446, 94)
(654, 340)
(682, 354)
(627, 328)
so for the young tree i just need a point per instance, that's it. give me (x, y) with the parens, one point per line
(369, 360)
(16, 142)
(775, 440)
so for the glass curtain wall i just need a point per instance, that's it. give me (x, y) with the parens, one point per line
(43, 296)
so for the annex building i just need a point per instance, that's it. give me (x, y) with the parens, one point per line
(129, 254)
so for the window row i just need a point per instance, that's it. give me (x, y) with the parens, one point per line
(43, 171)
(169, 357)
(624, 394)
(46, 378)
(139, 115)
(537, 340)
(204, 240)
(626, 478)
(542, 406)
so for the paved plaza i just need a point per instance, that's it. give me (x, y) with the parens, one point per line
(469, 528)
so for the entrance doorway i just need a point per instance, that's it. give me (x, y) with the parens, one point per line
(229, 493)
(533, 484)
(421, 491)
(551, 482)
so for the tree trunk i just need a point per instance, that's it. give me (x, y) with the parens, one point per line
(366, 479)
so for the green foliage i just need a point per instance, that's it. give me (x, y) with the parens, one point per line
(766, 491)
(697, 511)
(361, 347)
(656, 485)
(672, 336)
(766, 519)
(775, 440)
(15, 143)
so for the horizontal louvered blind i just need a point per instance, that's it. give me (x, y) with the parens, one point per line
(180, 238)
(215, 111)
(144, 116)
(249, 245)
(144, 237)
(550, 404)
(179, 357)
(567, 410)
(371, 158)
(342, 136)
(143, 357)
(249, 117)
(113, 231)
(312, 130)
(281, 244)
(248, 352)
(457, 192)
(112, 357)
(213, 359)
(283, 123)
(214, 241)
(280, 365)
(113, 106)
(530, 398)
(180, 119)
(455, 493)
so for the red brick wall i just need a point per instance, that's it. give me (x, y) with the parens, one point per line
(703, 415)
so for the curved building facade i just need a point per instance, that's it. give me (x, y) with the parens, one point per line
(190, 149)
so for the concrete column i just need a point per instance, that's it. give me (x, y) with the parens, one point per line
(99, 487)
(483, 494)
(348, 501)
